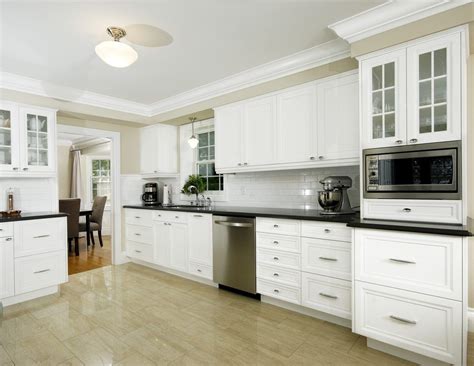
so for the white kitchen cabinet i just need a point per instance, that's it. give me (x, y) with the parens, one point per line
(178, 234)
(229, 137)
(434, 90)
(27, 140)
(259, 137)
(162, 238)
(338, 119)
(9, 137)
(7, 276)
(297, 125)
(159, 150)
(200, 238)
(412, 93)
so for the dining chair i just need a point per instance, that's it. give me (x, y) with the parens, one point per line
(97, 215)
(71, 207)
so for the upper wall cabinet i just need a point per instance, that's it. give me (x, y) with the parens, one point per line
(27, 140)
(159, 150)
(412, 94)
(300, 127)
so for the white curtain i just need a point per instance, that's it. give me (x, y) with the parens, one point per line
(76, 177)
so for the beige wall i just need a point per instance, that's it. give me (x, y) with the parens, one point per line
(64, 170)
(129, 141)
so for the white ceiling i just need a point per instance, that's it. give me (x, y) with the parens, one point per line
(54, 41)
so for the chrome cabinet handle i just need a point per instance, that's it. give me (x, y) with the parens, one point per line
(15, 168)
(413, 141)
(312, 158)
(8, 239)
(401, 261)
(137, 234)
(403, 320)
(199, 270)
(233, 224)
(276, 291)
(327, 231)
(245, 164)
(42, 271)
(328, 296)
(320, 157)
(328, 259)
(25, 169)
(276, 242)
(40, 236)
(159, 215)
(197, 215)
(276, 226)
(239, 164)
(176, 217)
(406, 209)
(399, 142)
(138, 217)
(276, 274)
(138, 251)
(276, 258)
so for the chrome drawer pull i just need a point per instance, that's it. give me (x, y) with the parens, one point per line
(276, 291)
(276, 226)
(328, 259)
(399, 142)
(276, 275)
(8, 239)
(137, 234)
(138, 251)
(328, 296)
(276, 242)
(401, 261)
(42, 271)
(40, 236)
(413, 141)
(276, 258)
(406, 209)
(327, 231)
(176, 217)
(137, 217)
(197, 215)
(403, 320)
(199, 270)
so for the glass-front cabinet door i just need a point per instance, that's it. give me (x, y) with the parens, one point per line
(9, 139)
(434, 90)
(37, 140)
(383, 100)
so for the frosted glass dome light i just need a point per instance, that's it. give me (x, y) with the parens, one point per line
(114, 53)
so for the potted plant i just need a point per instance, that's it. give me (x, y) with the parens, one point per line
(194, 185)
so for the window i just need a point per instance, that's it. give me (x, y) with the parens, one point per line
(100, 179)
(205, 162)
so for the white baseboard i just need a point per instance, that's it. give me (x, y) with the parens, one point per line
(121, 258)
(30, 295)
(470, 319)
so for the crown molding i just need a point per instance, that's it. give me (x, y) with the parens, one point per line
(38, 87)
(312, 57)
(304, 60)
(389, 15)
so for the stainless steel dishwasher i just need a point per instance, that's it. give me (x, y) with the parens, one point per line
(234, 253)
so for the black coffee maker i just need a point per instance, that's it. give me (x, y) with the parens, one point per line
(150, 195)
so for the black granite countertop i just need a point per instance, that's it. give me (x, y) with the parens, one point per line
(32, 216)
(315, 215)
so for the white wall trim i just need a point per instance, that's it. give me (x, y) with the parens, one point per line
(312, 57)
(389, 15)
(116, 204)
(470, 319)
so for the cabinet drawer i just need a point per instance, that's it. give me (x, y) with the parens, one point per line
(138, 217)
(326, 257)
(171, 216)
(430, 264)
(414, 210)
(278, 226)
(39, 271)
(279, 291)
(279, 242)
(278, 258)
(6, 229)
(424, 324)
(327, 294)
(141, 234)
(285, 276)
(325, 230)
(40, 236)
(200, 270)
(140, 251)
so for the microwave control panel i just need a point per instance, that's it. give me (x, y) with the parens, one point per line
(372, 173)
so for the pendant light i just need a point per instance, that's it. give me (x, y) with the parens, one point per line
(193, 141)
(114, 53)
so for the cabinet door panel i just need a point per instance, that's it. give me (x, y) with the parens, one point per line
(148, 150)
(296, 125)
(167, 149)
(260, 132)
(9, 137)
(228, 134)
(434, 90)
(162, 239)
(338, 118)
(7, 279)
(179, 247)
(200, 238)
(383, 100)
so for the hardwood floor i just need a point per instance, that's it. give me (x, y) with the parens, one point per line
(92, 258)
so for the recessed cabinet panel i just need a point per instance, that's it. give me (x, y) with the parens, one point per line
(297, 125)
(9, 137)
(200, 238)
(228, 131)
(159, 150)
(7, 279)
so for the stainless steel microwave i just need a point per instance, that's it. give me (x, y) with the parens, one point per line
(424, 171)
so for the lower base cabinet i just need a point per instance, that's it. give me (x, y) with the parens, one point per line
(7, 278)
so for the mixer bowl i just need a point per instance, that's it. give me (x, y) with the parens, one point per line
(330, 200)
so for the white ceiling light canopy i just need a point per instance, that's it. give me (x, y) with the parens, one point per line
(114, 53)
(193, 141)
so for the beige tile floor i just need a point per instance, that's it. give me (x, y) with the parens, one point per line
(132, 315)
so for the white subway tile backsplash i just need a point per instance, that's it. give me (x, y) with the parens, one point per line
(30, 194)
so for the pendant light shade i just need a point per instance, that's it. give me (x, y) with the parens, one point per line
(114, 53)
(193, 141)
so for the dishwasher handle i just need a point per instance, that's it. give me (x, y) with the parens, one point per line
(234, 224)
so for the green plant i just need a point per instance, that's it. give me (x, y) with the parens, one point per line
(194, 181)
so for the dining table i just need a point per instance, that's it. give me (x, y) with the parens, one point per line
(87, 214)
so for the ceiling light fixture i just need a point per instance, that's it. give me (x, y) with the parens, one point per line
(114, 53)
(193, 141)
